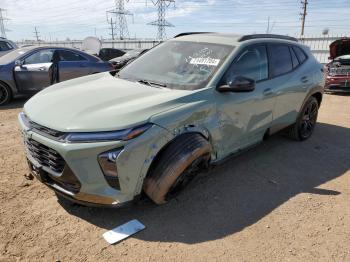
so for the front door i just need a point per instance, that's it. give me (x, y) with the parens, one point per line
(245, 117)
(34, 73)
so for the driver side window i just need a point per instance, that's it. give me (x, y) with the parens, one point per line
(251, 63)
(41, 56)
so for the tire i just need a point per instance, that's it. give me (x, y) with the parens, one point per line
(5, 94)
(306, 121)
(176, 167)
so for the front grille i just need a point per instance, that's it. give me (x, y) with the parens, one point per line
(339, 71)
(45, 156)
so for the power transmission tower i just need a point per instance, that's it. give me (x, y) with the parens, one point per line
(120, 24)
(161, 22)
(303, 15)
(2, 23)
(36, 34)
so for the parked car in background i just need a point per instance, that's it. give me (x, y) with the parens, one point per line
(31, 69)
(107, 54)
(129, 56)
(6, 46)
(338, 70)
(189, 102)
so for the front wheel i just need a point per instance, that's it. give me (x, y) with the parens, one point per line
(177, 165)
(5, 94)
(306, 122)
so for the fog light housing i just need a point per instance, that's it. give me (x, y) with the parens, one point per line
(108, 164)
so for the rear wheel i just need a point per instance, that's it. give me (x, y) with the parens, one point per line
(177, 165)
(306, 122)
(5, 94)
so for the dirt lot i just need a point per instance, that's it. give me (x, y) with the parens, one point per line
(282, 201)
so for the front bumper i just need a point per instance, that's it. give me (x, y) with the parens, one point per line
(86, 182)
(337, 84)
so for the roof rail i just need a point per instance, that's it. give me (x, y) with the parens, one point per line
(257, 36)
(191, 33)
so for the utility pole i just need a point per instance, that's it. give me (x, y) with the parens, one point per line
(161, 23)
(2, 23)
(36, 34)
(303, 15)
(112, 27)
(119, 14)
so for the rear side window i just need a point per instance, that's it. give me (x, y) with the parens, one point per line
(300, 54)
(251, 63)
(294, 58)
(66, 55)
(280, 59)
(4, 46)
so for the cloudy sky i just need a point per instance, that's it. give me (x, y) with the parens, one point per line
(77, 19)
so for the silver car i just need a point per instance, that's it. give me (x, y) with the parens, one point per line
(30, 69)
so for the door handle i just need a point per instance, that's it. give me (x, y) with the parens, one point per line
(41, 68)
(304, 79)
(267, 92)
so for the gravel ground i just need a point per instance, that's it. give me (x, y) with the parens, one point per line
(281, 201)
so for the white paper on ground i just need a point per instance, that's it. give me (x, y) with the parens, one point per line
(121, 232)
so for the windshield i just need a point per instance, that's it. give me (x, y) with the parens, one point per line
(178, 64)
(13, 55)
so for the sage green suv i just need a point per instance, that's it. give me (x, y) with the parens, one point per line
(189, 102)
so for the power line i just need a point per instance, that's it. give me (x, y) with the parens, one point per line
(120, 24)
(303, 15)
(161, 23)
(2, 23)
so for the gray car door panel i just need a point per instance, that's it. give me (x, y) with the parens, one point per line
(32, 77)
(73, 69)
(245, 117)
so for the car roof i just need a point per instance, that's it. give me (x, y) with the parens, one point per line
(230, 39)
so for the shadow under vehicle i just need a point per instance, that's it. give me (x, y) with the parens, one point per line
(28, 70)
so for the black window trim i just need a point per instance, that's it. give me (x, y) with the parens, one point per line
(289, 46)
(306, 56)
(74, 52)
(238, 55)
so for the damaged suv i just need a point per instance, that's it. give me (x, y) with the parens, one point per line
(338, 70)
(189, 102)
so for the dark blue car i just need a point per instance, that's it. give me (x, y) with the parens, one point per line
(30, 69)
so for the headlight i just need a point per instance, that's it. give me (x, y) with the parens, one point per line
(126, 134)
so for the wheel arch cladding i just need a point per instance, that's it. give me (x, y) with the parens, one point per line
(170, 143)
(173, 159)
(318, 97)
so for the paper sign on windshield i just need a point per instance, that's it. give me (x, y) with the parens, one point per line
(205, 61)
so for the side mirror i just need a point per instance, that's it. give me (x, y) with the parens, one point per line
(19, 63)
(239, 84)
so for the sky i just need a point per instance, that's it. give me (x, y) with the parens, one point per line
(77, 19)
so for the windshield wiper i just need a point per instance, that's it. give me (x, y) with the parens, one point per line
(150, 83)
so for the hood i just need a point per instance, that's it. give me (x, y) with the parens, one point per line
(121, 59)
(339, 47)
(100, 102)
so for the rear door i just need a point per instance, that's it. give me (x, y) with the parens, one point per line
(245, 117)
(72, 65)
(34, 74)
(290, 81)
